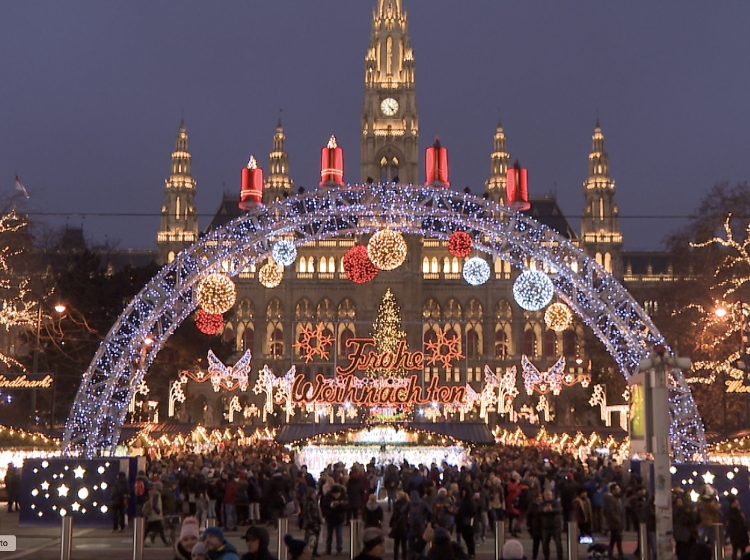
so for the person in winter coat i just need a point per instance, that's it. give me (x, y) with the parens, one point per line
(398, 524)
(217, 547)
(334, 506)
(419, 516)
(684, 527)
(154, 515)
(465, 513)
(443, 510)
(310, 514)
(119, 502)
(512, 498)
(355, 489)
(582, 512)
(552, 524)
(646, 513)
(737, 528)
(391, 481)
(373, 543)
(612, 513)
(372, 515)
(13, 487)
(257, 541)
(141, 488)
(534, 519)
(189, 533)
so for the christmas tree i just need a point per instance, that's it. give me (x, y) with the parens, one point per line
(388, 333)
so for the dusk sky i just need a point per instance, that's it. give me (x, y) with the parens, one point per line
(91, 96)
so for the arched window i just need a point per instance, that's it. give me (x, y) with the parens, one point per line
(472, 344)
(425, 265)
(502, 348)
(345, 335)
(529, 343)
(331, 265)
(550, 343)
(598, 258)
(326, 311)
(434, 267)
(608, 262)
(310, 264)
(454, 265)
(248, 339)
(429, 336)
(323, 265)
(277, 343)
(570, 343)
(303, 265)
(446, 265)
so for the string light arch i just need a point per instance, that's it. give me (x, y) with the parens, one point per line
(122, 360)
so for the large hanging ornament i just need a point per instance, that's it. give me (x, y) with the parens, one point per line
(558, 317)
(284, 252)
(271, 274)
(476, 271)
(533, 290)
(209, 323)
(357, 265)
(216, 293)
(387, 249)
(459, 244)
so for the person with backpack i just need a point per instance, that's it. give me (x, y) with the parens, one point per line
(419, 515)
(141, 488)
(119, 502)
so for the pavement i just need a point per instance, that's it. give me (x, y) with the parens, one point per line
(43, 543)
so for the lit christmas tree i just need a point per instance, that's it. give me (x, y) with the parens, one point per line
(388, 333)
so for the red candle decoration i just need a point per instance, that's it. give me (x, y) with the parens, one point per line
(518, 188)
(332, 164)
(251, 190)
(209, 323)
(459, 244)
(436, 165)
(357, 265)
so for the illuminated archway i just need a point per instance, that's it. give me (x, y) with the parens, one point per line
(121, 361)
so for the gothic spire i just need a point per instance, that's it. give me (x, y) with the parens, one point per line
(499, 160)
(278, 183)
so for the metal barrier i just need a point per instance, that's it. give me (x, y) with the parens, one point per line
(642, 542)
(66, 538)
(717, 534)
(572, 541)
(499, 539)
(355, 537)
(283, 552)
(139, 535)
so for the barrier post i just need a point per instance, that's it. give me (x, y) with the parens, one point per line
(282, 553)
(572, 540)
(139, 535)
(718, 538)
(355, 537)
(499, 539)
(642, 542)
(66, 538)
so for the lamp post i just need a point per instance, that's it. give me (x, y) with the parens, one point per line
(59, 308)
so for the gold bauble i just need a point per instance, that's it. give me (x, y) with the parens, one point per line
(387, 249)
(216, 294)
(558, 317)
(271, 274)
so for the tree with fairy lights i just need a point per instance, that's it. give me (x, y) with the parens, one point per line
(388, 333)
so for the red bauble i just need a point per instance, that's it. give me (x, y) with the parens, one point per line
(209, 323)
(357, 265)
(459, 244)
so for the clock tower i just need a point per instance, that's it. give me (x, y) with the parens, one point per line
(390, 130)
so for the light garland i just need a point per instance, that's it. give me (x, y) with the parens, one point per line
(533, 290)
(271, 274)
(476, 271)
(459, 244)
(284, 252)
(558, 317)
(209, 323)
(596, 296)
(216, 293)
(387, 249)
(357, 265)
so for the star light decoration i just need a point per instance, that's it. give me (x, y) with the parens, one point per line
(558, 317)
(476, 271)
(284, 252)
(225, 375)
(271, 274)
(533, 290)
(387, 249)
(312, 342)
(216, 293)
(357, 265)
(443, 349)
(459, 244)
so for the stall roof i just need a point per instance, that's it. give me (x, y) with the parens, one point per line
(470, 432)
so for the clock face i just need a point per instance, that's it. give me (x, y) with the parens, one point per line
(389, 107)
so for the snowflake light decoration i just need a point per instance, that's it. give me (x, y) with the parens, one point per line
(533, 290)
(545, 381)
(443, 349)
(312, 342)
(284, 252)
(459, 244)
(558, 317)
(476, 271)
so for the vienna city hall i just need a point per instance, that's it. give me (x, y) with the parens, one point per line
(454, 334)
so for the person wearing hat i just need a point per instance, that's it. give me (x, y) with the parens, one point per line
(198, 552)
(257, 540)
(334, 507)
(189, 533)
(217, 547)
(373, 543)
(298, 550)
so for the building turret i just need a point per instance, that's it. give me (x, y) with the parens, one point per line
(600, 227)
(390, 130)
(278, 184)
(499, 161)
(179, 219)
